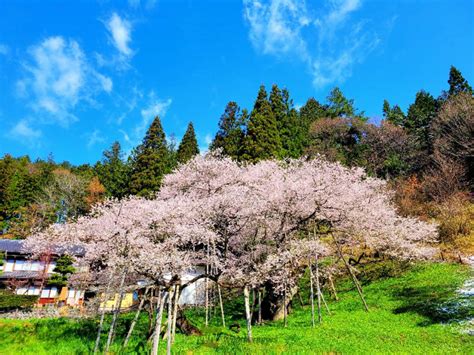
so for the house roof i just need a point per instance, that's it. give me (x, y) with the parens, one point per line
(16, 246)
(19, 274)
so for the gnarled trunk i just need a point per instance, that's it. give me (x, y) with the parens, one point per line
(273, 305)
(184, 326)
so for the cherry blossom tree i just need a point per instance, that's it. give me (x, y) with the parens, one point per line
(252, 226)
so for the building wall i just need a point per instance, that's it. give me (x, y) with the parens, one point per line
(21, 264)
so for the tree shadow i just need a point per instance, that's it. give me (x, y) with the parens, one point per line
(436, 304)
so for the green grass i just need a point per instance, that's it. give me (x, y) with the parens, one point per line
(411, 314)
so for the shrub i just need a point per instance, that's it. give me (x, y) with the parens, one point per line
(10, 301)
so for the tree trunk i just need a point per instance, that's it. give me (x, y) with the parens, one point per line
(325, 304)
(318, 290)
(171, 291)
(259, 305)
(333, 288)
(135, 319)
(354, 278)
(273, 304)
(285, 308)
(118, 305)
(248, 316)
(175, 312)
(206, 321)
(102, 316)
(185, 326)
(311, 292)
(221, 304)
(159, 317)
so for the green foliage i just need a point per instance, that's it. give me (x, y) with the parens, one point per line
(11, 301)
(403, 317)
(340, 106)
(393, 114)
(419, 117)
(64, 267)
(288, 122)
(457, 83)
(188, 147)
(230, 136)
(311, 111)
(150, 161)
(113, 172)
(263, 139)
(337, 139)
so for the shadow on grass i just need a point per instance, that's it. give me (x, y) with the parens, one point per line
(436, 304)
(86, 330)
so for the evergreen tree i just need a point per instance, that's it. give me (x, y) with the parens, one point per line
(262, 140)
(288, 123)
(230, 135)
(393, 114)
(457, 83)
(311, 111)
(64, 267)
(419, 117)
(188, 147)
(340, 106)
(113, 172)
(150, 161)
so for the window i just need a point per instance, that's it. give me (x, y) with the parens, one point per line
(33, 290)
(9, 265)
(49, 292)
(19, 265)
(22, 290)
(51, 266)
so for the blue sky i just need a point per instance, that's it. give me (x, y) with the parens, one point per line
(76, 76)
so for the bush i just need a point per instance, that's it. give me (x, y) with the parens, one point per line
(10, 301)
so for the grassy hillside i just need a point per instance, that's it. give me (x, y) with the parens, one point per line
(412, 313)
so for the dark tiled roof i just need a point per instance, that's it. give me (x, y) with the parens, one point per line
(11, 246)
(16, 246)
(21, 275)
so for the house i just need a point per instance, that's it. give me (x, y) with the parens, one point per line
(25, 276)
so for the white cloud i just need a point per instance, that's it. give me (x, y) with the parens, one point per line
(156, 107)
(330, 43)
(22, 131)
(208, 139)
(105, 82)
(58, 77)
(120, 30)
(126, 137)
(275, 26)
(4, 49)
(94, 137)
(135, 4)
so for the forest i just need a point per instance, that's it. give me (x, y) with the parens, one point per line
(425, 154)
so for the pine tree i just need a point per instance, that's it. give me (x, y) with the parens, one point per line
(150, 161)
(188, 147)
(457, 83)
(393, 114)
(113, 172)
(64, 267)
(262, 140)
(230, 135)
(280, 113)
(288, 122)
(419, 117)
(311, 111)
(340, 106)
